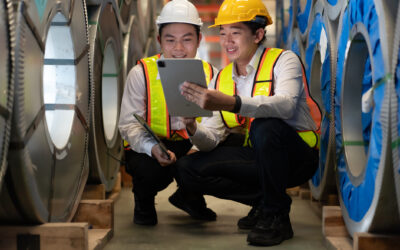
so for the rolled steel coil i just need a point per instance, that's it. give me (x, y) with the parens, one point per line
(48, 164)
(303, 16)
(133, 46)
(364, 170)
(296, 44)
(105, 143)
(320, 64)
(7, 31)
(142, 9)
(334, 7)
(152, 45)
(395, 110)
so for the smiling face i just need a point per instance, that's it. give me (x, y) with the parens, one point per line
(238, 42)
(179, 40)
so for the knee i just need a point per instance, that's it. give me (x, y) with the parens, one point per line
(265, 131)
(185, 173)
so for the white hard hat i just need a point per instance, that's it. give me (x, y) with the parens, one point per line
(179, 11)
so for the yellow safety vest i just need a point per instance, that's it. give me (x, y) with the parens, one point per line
(263, 85)
(157, 115)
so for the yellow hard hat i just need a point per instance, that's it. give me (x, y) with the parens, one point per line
(235, 11)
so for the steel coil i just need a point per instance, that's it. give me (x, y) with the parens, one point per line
(395, 110)
(296, 44)
(105, 143)
(333, 7)
(142, 9)
(152, 45)
(7, 30)
(48, 148)
(320, 66)
(133, 46)
(364, 169)
(303, 16)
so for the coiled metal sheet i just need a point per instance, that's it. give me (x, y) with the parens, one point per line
(296, 44)
(334, 7)
(321, 75)
(7, 29)
(395, 108)
(303, 16)
(48, 149)
(364, 170)
(142, 9)
(133, 46)
(105, 144)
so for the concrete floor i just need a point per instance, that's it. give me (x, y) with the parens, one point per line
(176, 230)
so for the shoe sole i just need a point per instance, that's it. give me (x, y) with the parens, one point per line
(190, 212)
(258, 241)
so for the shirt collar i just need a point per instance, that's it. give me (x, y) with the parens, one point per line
(253, 64)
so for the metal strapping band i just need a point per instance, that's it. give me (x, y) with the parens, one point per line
(32, 27)
(74, 62)
(17, 145)
(81, 118)
(4, 112)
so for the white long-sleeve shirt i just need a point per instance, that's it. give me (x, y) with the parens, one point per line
(134, 100)
(288, 102)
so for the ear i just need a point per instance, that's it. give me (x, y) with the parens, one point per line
(259, 35)
(159, 39)
(198, 42)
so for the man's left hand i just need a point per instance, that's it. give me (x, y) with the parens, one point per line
(207, 98)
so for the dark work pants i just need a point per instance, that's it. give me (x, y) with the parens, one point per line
(278, 159)
(148, 176)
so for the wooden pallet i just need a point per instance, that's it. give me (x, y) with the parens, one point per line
(337, 237)
(92, 227)
(98, 191)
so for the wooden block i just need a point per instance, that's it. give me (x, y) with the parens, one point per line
(126, 179)
(98, 213)
(333, 200)
(294, 191)
(368, 241)
(94, 192)
(339, 243)
(114, 194)
(49, 236)
(98, 238)
(332, 222)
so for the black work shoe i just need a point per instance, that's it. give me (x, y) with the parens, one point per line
(271, 229)
(145, 212)
(195, 207)
(249, 221)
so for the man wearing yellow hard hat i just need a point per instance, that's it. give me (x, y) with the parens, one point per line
(263, 135)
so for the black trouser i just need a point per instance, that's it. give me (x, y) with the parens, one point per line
(278, 159)
(148, 176)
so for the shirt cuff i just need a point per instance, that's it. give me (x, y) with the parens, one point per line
(247, 107)
(147, 146)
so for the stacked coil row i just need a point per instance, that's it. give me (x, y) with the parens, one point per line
(351, 54)
(62, 69)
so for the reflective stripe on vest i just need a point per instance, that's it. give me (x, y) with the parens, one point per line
(157, 113)
(262, 85)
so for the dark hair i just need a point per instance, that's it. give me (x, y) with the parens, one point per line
(259, 22)
(196, 27)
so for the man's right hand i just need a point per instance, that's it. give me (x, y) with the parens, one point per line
(160, 156)
(191, 125)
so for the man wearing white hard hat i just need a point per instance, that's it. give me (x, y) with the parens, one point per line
(262, 96)
(151, 169)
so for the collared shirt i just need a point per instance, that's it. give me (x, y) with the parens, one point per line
(134, 100)
(288, 102)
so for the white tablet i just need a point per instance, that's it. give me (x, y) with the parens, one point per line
(173, 72)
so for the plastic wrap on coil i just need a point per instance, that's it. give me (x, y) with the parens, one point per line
(395, 109)
(361, 138)
(303, 16)
(320, 63)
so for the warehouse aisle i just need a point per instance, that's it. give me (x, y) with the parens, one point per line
(176, 230)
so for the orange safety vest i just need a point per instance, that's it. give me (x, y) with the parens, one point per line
(157, 115)
(263, 85)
